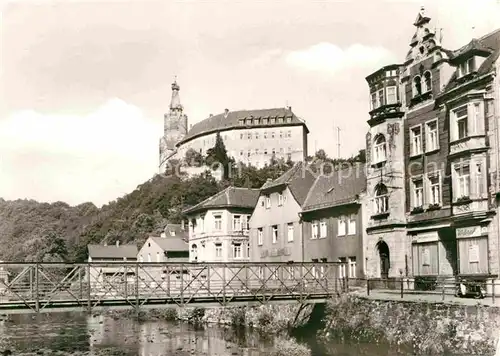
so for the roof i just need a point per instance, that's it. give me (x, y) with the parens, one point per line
(488, 43)
(231, 197)
(171, 243)
(112, 251)
(172, 230)
(298, 179)
(340, 187)
(221, 123)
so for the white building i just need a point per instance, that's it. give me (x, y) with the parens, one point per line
(250, 136)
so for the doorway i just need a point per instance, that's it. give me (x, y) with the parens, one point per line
(385, 259)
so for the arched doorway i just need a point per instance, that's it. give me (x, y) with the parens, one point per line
(385, 259)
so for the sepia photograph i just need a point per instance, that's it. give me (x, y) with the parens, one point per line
(249, 177)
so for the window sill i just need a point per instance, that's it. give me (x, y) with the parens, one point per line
(379, 164)
(435, 150)
(417, 210)
(416, 155)
(380, 216)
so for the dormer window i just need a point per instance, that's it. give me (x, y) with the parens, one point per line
(427, 81)
(264, 121)
(242, 122)
(466, 67)
(417, 86)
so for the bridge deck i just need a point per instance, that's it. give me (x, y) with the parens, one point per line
(42, 287)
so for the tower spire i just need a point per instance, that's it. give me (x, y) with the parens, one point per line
(175, 102)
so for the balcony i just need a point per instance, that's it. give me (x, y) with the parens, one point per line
(468, 144)
(383, 112)
(467, 206)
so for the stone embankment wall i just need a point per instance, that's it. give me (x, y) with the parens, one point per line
(424, 328)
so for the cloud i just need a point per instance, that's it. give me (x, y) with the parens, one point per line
(95, 157)
(330, 58)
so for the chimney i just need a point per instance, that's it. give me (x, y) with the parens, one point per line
(183, 226)
(226, 112)
(117, 243)
(210, 115)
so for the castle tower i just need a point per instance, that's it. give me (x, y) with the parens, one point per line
(174, 128)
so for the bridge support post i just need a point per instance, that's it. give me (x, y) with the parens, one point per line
(89, 290)
(37, 289)
(224, 285)
(137, 289)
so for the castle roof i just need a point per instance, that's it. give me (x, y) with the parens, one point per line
(231, 120)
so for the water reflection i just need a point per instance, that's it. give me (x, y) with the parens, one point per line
(77, 332)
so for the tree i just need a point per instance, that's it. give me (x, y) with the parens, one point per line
(193, 158)
(217, 155)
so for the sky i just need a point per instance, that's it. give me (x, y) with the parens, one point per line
(84, 84)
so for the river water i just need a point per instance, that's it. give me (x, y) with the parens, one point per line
(76, 333)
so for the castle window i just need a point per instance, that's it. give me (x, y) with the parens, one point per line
(391, 95)
(281, 134)
(466, 67)
(256, 135)
(428, 81)
(289, 134)
(379, 149)
(272, 134)
(265, 134)
(241, 137)
(249, 135)
(417, 86)
(381, 201)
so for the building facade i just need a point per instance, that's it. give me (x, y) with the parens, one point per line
(332, 220)
(250, 136)
(219, 226)
(448, 109)
(275, 226)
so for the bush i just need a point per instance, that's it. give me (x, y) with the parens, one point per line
(289, 347)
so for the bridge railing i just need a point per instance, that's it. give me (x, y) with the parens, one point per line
(42, 285)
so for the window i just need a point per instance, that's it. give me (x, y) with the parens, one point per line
(478, 119)
(236, 222)
(480, 191)
(427, 82)
(391, 96)
(461, 122)
(431, 129)
(248, 250)
(260, 236)
(265, 151)
(158, 257)
(280, 120)
(374, 101)
(275, 233)
(141, 258)
(273, 151)
(249, 153)
(249, 135)
(290, 232)
(268, 201)
(218, 249)
(435, 188)
(246, 222)
(241, 153)
(416, 140)
(194, 252)
(282, 150)
(272, 134)
(256, 151)
(466, 67)
(281, 134)
(149, 257)
(380, 98)
(352, 267)
(351, 228)
(289, 134)
(417, 192)
(241, 137)
(417, 86)
(381, 199)
(256, 135)
(379, 149)
(272, 121)
(341, 227)
(323, 232)
(265, 134)
(264, 121)
(237, 250)
(217, 222)
(342, 267)
(315, 230)
(242, 122)
(280, 199)
(463, 181)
